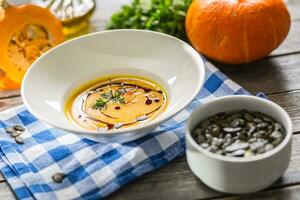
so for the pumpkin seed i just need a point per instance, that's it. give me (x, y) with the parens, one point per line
(19, 140)
(9, 130)
(58, 177)
(231, 129)
(237, 134)
(16, 133)
(19, 128)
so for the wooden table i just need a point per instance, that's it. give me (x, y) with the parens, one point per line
(277, 75)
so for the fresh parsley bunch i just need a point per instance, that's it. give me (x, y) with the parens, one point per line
(167, 16)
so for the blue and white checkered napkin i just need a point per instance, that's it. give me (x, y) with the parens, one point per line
(93, 170)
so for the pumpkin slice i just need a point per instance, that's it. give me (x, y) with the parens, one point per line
(6, 83)
(26, 32)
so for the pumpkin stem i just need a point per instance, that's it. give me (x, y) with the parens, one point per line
(3, 4)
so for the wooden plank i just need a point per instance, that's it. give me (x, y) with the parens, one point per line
(9, 102)
(175, 181)
(288, 193)
(271, 75)
(292, 43)
(5, 192)
(293, 7)
(290, 101)
(9, 93)
(1, 178)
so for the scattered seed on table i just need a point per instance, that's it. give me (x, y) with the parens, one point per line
(58, 177)
(9, 130)
(16, 133)
(19, 128)
(19, 140)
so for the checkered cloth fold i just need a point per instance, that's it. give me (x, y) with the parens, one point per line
(93, 170)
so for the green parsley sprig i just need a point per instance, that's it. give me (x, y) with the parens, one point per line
(114, 96)
(167, 16)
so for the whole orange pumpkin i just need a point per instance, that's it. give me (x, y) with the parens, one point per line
(237, 31)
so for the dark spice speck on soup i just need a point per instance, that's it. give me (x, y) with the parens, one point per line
(116, 102)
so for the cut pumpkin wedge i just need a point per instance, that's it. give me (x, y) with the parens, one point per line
(26, 32)
(6, 83)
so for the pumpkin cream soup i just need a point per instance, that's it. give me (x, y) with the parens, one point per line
(116, 102)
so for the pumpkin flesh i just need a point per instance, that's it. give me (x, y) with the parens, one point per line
(29, 32)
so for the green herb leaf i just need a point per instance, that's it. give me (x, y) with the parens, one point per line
(118, 97)
(100, 104)
(115, 96)
(107, 95)
(167, 16)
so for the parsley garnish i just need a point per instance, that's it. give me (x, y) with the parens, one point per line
(100, 103)
(167, 16)
(114, 96)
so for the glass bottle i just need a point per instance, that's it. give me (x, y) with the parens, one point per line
(74, 14)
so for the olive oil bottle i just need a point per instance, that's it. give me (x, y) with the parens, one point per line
(74, 14)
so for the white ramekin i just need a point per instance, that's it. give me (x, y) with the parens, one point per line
(238, 175)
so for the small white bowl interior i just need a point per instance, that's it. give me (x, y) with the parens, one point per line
(164, 59)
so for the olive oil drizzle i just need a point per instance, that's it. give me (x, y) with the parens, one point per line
(115, 95)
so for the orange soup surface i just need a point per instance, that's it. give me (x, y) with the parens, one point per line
(116, 102)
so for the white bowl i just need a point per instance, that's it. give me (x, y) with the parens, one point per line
(160, 57)
(238, 175)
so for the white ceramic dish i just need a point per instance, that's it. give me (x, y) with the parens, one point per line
(238, 175)
(169, 61)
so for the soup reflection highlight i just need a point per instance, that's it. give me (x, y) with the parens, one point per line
(116, 102)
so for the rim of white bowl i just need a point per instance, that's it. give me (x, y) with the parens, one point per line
(156, 122)
(287, 138)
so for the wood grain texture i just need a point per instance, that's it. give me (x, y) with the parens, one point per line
(290, 101)
(9, 102)
(288, 193)
(175, 181)
(277, 75)
(270, 75)
(5, 192)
